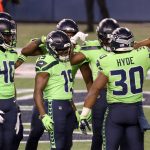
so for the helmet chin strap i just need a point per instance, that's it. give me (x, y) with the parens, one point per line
(64, 58)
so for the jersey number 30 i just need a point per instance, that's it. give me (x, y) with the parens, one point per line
(132, 83)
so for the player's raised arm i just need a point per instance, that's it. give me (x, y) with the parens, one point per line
(76, 58)
(145, 42)
(33, 48)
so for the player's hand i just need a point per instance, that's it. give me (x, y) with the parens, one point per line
(88, 117)
(80, 35)
(47, 122)
(85, 117)
(1, 116)
(84, 126)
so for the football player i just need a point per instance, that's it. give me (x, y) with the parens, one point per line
(124, 79)
(90, 51)
(8, 109)
(53, 83)
(38, 47)
(19, 126)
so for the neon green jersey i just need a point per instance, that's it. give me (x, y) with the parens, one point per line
(7, 70)
(59, 85)
(126, 74)
(91, 50)
(76, 49)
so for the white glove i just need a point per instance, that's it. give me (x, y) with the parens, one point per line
(85, 117)
(79, 35)
(17, 127)
(1, 116)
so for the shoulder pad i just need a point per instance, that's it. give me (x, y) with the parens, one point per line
(92, 43)
(42, 65)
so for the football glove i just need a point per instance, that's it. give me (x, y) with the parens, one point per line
(85, 117)
(47, 122)
(80, 35)
(1, 116)
(84, 125)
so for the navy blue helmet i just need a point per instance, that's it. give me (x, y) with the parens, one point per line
(68, 25)
(5, 15)
(105, 28)
(7, 31)
(122, 40)
(59, 45)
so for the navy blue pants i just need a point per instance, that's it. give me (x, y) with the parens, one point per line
(98, 112)
(37, 130)
(7, 129)
(64, 123)
(122, 121)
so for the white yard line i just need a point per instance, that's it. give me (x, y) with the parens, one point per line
(20, 91)
(25, 97)
(24, 142)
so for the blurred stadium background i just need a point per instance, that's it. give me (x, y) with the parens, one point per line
(36, 18)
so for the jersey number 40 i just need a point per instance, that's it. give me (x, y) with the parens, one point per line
(8, 71)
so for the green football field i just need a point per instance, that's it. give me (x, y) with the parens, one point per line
(26, 31)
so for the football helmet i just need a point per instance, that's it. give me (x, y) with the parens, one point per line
(104, 30)
(68, 26)
(7, 16)
(122, 39)
(59, 45)
(7, 31)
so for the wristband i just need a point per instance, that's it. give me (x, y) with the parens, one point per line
(22, 57)
(41, 116)
(85, 111)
